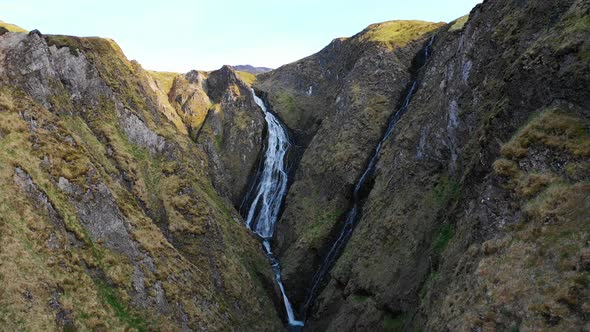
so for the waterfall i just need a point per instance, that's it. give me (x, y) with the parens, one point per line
(268, 195)
(353, 214)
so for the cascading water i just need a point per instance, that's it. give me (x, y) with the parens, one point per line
(352, 215)
(268, 195)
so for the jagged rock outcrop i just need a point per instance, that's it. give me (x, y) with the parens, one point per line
(221, 116)
(109, 219)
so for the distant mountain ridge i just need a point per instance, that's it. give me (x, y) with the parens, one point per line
(251, 69)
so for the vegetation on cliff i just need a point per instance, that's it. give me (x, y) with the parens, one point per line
(119, 187)
(493, 146)
(109, 216)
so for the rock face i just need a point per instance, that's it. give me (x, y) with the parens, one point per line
(339, 102)
(119, 188)
(109, 218)
(223, 118)
(478, 215)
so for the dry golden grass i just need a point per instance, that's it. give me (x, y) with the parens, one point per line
(11, 27)
(248, 78)
(164, 80)
(459, 23)
(550, 130)
(531, 184)
(90, 148)
(506, 167)
(194, 103)
(551, 238)
(395, 34)
(558, 201)
(554, 129)
(28, 266)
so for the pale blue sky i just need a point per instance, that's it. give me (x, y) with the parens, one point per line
(179, 35)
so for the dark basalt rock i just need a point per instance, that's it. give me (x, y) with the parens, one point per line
(36, 33)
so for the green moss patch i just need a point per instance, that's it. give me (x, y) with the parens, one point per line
(286, 102)
(394, 323)
(121, 311)
(445, 191)
(444, 237)
(459, 23)
(322, 225)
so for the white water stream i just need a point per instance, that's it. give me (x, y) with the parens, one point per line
(268, 195)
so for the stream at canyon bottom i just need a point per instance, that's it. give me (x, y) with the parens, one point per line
(268, 193)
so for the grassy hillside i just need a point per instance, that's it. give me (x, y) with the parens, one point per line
(397, 33)
(11, 27)
(108, 216)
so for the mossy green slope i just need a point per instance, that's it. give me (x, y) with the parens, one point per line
(469, 224)
(74, 144)
(395, 34)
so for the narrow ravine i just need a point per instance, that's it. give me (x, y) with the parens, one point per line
(268, 193)
(353, 214)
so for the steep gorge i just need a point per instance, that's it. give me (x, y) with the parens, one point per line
(356, 86)
(464, 148)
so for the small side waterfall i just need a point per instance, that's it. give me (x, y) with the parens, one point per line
(353, 214)
(268, 195)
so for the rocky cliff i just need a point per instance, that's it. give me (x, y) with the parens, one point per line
(120, 188)
(477, 215)
(221, 116)
(337, 102)
(109, 217)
